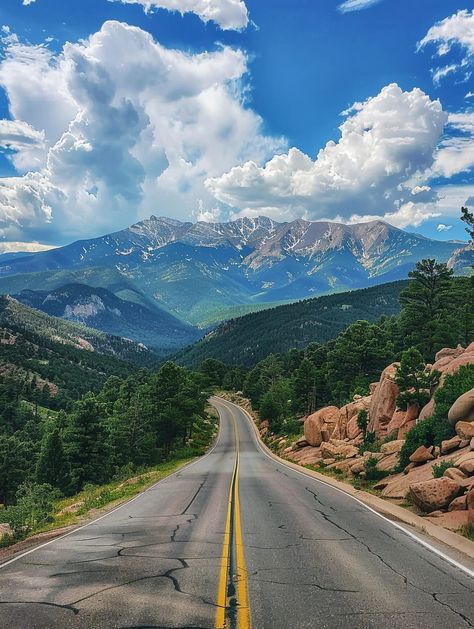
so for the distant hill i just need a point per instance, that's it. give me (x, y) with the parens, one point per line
(70, 358)
(99, 308)
(200, 271)
(248, 339)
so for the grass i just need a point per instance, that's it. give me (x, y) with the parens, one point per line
(84, 505)
(43, 412)
(468, 531)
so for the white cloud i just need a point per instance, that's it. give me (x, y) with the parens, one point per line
(456, 30)
(386, 143)
(28, 247)
(133, 128)
(26, 3)
(356, 5)
(208, 216)
(456, 151)
(27, 144)
(441, 73)
(443, 228)
(227, 14)
(450, 199)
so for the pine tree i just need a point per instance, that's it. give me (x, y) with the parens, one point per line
(356, 359)
(415, 381)
(304, 385)
(85, 443)
(52, 466)
(468, 218)
(425, 307)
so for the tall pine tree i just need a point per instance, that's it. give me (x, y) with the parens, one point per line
(425, 308)
(52, 466)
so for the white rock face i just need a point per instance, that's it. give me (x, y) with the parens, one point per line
(86, 309)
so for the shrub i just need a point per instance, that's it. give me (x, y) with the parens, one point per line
(370, 443)
(371, 471)
(468, 531)
(439, 469)
(422, 434)
(33, 508)
(363, 420)
(454, 386)
(435, 429)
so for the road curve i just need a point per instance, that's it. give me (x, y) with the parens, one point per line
(236, 540)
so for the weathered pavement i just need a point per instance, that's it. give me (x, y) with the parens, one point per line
(237, 539)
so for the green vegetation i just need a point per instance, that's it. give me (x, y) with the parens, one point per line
(468, 531)
(80, 423)
(285, 386)
(249, 339)
(371, 471)
(41, 510)
(129, 424)
(439, 468)
(415, 381)
(436, 428)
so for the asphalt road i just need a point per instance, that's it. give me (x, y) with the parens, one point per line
(237, 540)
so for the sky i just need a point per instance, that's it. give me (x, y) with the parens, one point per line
(113, 110)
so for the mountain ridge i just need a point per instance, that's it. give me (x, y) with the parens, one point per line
(194, 270)
(101, 309)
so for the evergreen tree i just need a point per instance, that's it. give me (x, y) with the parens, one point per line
(53, 467)
(17, 463)
(85, 443)
(213, 372)
(468, 218)
(425, 306)
(304, 385)
(414, 380)
(276, 403)
(358, 356)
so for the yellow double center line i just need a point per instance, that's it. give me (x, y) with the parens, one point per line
(233, 611)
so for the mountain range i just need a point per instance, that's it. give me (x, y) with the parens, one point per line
(203, 272)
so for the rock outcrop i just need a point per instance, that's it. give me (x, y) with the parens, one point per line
(332, 437)
(462, 409)
(465, 430)
(434, 494)
(383, 401)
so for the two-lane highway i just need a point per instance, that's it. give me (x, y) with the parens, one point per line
(236, 540)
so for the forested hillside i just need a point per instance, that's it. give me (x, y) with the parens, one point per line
(436, 312)
(129, 423)
(248, 339)
(77, 410)
(29, 322)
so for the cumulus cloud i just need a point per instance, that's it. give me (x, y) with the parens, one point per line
(441, 227)
(227, 14)
(456, 30)
(356, 5)
(28, 247)
(131, 128)
(27, 144)
(386, 143)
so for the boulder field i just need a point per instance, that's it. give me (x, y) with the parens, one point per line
(332, 439)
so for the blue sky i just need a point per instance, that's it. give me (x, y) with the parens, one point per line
(198, 137)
